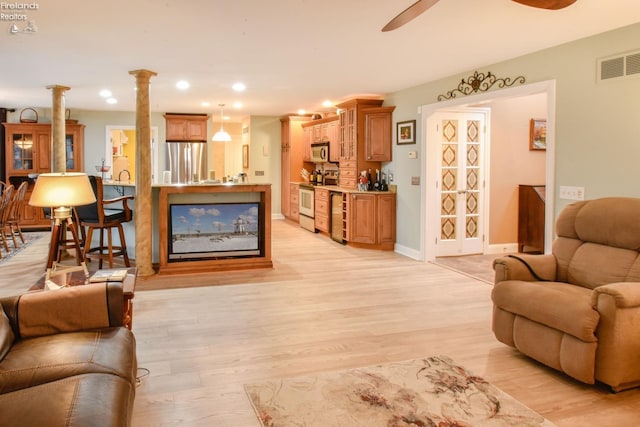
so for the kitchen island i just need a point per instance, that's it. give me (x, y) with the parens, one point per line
(204, 227)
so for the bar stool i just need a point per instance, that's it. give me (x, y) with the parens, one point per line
(95, 216)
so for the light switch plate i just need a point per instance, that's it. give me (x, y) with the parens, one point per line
(413, 154)
(571, 193)
(415, 180)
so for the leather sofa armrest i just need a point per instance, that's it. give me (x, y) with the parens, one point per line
(70, 309)
(507, 268)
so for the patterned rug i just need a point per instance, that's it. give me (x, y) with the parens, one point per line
(29, 238)
(429, 392)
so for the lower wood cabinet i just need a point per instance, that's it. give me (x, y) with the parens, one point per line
(294, 206)
(322, 209)
(372, 219)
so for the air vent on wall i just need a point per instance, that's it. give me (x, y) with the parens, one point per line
(621, 65)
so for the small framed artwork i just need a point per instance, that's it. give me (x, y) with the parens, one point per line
(406, 132)
(245, 156)
(537, 134)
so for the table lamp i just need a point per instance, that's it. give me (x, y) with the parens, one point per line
(61, 192)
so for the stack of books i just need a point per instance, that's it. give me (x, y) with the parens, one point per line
(112, 275)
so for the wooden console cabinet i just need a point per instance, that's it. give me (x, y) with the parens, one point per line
(28, 153)
(531, 207)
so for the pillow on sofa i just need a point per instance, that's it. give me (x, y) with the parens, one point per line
(6, 334)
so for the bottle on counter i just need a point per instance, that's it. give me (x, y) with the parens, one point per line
(370, 182)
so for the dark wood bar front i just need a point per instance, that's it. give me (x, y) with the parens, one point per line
(206, 201)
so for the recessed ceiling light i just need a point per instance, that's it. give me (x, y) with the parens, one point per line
(112, 101)
(205, 104)
(327, 104)
(301, 112)
(239, 87)
(237, 105)
(182, 85)
(105, 93)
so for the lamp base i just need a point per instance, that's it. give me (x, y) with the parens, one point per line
(54, 269)
(59, 275)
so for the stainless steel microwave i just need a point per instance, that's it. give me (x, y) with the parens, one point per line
(320, 152)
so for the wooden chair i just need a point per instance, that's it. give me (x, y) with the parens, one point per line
(16, 210)
(96, 216)
(5, 202)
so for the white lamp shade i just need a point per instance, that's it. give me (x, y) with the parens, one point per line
(221, 136)
(62, 189)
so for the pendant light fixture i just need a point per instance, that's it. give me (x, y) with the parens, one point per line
(221, 135)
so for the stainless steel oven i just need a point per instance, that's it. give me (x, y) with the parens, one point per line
(306, 207)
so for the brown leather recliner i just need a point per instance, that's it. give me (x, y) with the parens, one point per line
(583, 316)
(66, 359)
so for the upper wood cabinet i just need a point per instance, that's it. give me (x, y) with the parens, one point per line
(186, 127)
(364, 131)
(28, 153)
(377, 133)
(323, 130)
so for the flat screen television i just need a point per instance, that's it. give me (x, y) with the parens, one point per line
(215, 230)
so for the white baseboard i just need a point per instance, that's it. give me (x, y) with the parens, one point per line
(408, 252)
(502, 248)
(277, 216)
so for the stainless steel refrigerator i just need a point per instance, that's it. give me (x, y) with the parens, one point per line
(187, 161)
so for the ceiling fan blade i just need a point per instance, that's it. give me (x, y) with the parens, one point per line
(408, 14)
(547, 4)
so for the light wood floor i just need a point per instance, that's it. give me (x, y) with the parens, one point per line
(328, 307)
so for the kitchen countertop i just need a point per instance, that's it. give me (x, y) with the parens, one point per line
(193, 184)
(339, 189)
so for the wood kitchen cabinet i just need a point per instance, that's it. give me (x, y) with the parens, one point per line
(322, 209)
(371, 219)
(294, 198)
(186, 127)
(364, 131)
(322, 130)
(28, 153)
(292, 152)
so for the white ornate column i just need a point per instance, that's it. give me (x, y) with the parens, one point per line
(58, 129)
(143, 208)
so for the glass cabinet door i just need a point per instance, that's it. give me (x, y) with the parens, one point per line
(69, 151)
(22, 151)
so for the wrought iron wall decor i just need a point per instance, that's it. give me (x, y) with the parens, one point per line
(480, 82)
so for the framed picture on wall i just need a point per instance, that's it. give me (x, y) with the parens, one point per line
(406, 132)
(245, 156)
(537, 134)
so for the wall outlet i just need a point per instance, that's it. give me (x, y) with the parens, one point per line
(413, 154)
(259, 173)
(390, 176)
(415, 180)
(571, 193)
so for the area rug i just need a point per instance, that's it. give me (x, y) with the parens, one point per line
(477, 266)
(430, 392)
(29, 239)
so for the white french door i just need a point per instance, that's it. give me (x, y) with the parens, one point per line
(460, 183)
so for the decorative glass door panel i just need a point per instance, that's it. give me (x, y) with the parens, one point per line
(22, 151)
(69, 151)
(461, 138)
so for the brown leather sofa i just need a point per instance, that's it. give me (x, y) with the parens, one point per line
(582, 316)
(66, 359)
